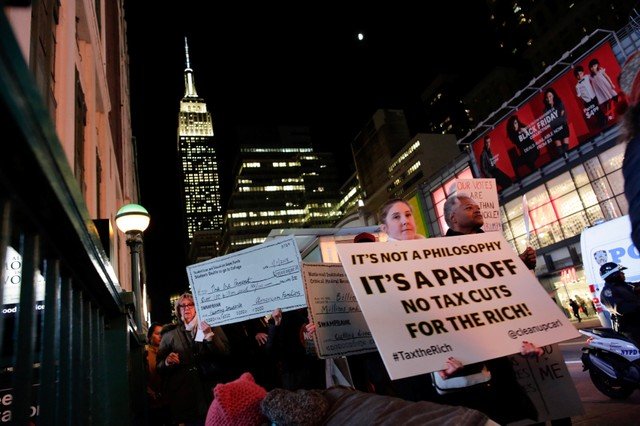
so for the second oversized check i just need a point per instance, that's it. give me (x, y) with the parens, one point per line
(248, 284)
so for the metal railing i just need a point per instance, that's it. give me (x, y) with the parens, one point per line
(70, 352)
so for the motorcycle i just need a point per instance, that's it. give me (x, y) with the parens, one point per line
(613, 361)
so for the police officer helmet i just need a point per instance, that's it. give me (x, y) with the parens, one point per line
(609, 269)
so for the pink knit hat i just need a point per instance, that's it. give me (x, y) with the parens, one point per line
(237, 403)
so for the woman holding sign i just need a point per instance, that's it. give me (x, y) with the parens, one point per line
(491, 386)
(396, 220)
(192, 357)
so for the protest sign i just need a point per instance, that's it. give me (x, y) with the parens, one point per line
(340, 326)
(548, 384)
(248, 284)
(468, 297)
(485, 193)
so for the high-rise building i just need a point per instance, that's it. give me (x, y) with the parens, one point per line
(539, 32)
(198, 162)
(280, 182)
(444, 108)
(376, 144)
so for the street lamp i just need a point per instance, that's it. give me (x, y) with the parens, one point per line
(133, 219)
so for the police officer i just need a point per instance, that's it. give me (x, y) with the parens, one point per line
(621, 299)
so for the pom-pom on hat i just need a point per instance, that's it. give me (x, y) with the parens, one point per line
(237, 403)
(299, 408)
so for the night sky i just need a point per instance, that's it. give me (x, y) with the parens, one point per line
(271, 65)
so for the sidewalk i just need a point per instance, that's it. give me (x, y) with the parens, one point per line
(589, 322)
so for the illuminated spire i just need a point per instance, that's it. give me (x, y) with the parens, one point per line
(189, 84)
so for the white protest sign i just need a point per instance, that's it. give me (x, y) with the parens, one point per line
(468, 297)
(485, 193)
(548, 384)
(248, 284)
(340, 326)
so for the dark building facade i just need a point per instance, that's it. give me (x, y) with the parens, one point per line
(374, 147)
(540, 31)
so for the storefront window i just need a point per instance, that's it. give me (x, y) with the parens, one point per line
(570, 283)
(588, 196)
(560, 185)
(594, 214)
(537, 197)
(610, 209)
(506, 230)
(513, 208)
(542, 215)
(616, 181)
(599, 195)
(622, 202)
(594, 169)
(612, 158)
(517, 227)
(567, 205)
(550, 234)
(580, 176)
(574, 225)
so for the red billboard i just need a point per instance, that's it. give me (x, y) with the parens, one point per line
(574, 108)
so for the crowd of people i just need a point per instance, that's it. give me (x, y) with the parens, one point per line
(187, 359)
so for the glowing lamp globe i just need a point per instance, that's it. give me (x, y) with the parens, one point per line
(132, 218)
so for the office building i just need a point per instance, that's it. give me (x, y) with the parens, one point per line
(379, 140)
(279, 183)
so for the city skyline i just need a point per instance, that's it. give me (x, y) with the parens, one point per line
(266, 68)
(309, 70)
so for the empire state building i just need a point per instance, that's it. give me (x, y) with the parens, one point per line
(198, 162)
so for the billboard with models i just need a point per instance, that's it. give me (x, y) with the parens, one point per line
(572, 109)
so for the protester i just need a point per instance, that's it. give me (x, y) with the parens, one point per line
(248, 340)
(156, 400)
(190, 368)
(289, 346)
(367, 370)
(503, 400)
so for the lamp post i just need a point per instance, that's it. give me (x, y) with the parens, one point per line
(133, 219)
